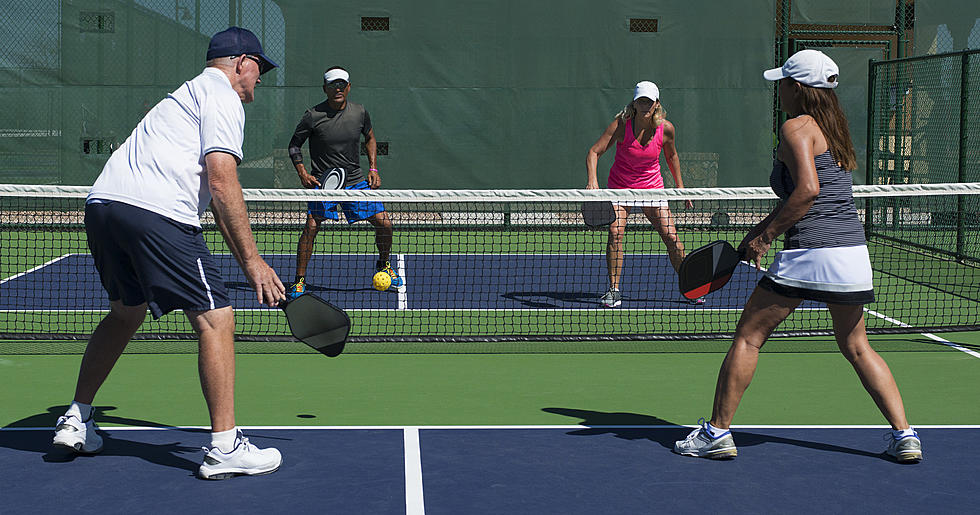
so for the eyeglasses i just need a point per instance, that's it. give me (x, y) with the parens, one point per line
(337, 84)
(257, 60)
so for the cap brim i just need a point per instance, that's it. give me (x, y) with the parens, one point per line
(773, 74)
(267, 64)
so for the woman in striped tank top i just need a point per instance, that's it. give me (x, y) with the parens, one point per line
(825, 258)
(640, 132)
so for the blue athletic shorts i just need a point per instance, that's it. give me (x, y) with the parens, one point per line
(354, 211)
(142, 257)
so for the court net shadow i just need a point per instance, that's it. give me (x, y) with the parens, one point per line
(666, 432)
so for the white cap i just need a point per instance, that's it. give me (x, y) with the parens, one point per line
(809, 67)
(336, 74)
(646, 89)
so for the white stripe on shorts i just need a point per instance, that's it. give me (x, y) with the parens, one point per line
(204, 279)
(832, 269)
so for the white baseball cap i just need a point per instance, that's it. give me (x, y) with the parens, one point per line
(809, 67)
(336, 74)
(646, 89)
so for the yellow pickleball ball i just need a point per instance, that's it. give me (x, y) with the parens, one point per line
(381, 281)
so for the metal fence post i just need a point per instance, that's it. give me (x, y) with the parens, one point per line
(964, 137)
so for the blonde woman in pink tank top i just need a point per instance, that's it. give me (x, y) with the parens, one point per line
(639, 132)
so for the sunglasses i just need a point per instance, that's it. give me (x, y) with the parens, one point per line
(337, 84)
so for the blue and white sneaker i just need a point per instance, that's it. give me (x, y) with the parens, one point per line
(396, 281)
(905, 449)
(79, 436)
(701, 444)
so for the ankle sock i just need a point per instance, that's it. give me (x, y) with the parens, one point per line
(224, 441)
(902, 433)
(81, 410)
(714, 431)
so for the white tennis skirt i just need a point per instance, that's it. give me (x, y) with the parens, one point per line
(630, 204)
(836, 275)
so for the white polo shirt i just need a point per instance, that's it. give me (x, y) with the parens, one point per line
(160, 167)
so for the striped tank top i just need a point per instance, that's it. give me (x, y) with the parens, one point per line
(832, 220)
(637, 166)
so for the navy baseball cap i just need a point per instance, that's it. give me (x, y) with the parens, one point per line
(237, 41)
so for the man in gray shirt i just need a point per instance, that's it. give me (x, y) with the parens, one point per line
(334, 128)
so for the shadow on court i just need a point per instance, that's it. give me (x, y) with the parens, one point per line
(538, 299)
(39, 442)
(666, 436)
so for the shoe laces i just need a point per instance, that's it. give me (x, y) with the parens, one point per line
(694, 434)
(890, 436)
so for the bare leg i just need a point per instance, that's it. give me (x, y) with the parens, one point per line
(216, 363)
(763, 312)
(105, 346)
(383, 231)
(852, 339)
(614, 245)
(663, 221)
(304, 249)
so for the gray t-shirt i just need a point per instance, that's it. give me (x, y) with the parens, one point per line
(335, 138)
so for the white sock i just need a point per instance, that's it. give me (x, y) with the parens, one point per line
(224, 440)
(714, 431)
(81, 410)
(902, 433)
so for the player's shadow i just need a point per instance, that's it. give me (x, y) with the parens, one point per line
(562, 299)
(167, 453)
(616, 424)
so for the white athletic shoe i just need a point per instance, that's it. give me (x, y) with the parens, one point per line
(905, 450)
(245, 459)
(76, 435)
(701, 444)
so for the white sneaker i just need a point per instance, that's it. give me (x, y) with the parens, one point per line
(245, 459)
(701, 444)
(76, 435)
(907, 449)
(612, 298)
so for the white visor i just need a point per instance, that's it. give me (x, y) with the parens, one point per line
(336, 74)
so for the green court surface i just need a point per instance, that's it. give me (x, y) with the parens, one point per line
(798, 382)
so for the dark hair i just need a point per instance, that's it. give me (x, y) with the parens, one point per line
(823, 106)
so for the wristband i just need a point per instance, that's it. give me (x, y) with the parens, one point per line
(372, 169)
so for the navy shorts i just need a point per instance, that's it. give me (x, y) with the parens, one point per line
(353, 211)
(142, 257)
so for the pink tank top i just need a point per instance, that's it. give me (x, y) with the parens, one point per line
(635, 165)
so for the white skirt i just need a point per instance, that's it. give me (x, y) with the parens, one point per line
(629, 204)
(833, 274)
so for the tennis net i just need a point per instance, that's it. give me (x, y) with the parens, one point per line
(499, 265)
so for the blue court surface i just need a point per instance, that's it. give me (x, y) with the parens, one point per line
(434, 281)
(477, 470)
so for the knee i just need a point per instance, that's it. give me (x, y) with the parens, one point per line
(616, 234)
(130, 317)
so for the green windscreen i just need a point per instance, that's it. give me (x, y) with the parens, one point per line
(462, 94)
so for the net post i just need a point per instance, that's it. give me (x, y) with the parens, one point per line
(869, 155)
(961, 169)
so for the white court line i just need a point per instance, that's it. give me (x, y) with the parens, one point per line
(402, 293)
(414, 499)
(518, 427)
(927, 335)
(38, 267)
